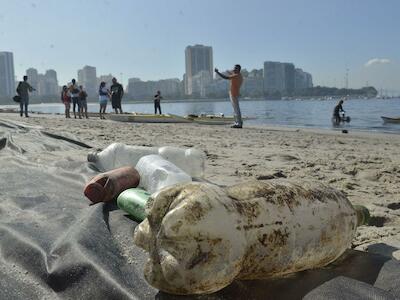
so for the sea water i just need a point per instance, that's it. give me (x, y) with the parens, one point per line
(365, 113)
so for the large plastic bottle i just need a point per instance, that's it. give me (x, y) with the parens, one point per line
(157, 173)
(201, 237)
(106, 186)
(116, 155)
(191, 161)
(133, 201)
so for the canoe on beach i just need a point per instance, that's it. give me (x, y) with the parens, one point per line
(146, 118)
(391, 120)
(214, 119)
(170, 118)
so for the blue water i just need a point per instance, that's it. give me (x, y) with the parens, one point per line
(365, 114)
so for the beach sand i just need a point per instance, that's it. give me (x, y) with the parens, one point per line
(366, 166)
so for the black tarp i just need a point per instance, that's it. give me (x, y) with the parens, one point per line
(53, 245)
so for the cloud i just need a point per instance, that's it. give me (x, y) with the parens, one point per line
(377, 61)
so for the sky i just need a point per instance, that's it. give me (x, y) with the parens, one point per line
(147, 39)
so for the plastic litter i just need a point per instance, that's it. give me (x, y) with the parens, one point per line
(106, 186)
(201, 237)
(133, 201)
(116, 155)
(157, 173)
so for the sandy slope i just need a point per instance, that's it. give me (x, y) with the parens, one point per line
(364, 165)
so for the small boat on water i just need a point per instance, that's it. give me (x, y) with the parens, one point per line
(146, 118)
(391, 120)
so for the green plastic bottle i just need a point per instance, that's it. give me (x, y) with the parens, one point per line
(133, 201)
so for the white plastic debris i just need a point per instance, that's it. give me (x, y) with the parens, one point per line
(201, 237)
(157, 173)
(116, 155)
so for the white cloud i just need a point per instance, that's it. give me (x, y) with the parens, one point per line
(377, 61)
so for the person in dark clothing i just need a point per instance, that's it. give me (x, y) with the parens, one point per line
(336, 112)
(157, 100)
(117, 92)
(23, 90)
(74, 94)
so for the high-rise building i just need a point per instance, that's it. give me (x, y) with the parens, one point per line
(289, 78)
(7, 75)
(51, 83)
(88, 79)
(33, 79)
(274, 77)
(303, 79)
(197, 58)
(279, 77)
(106, 78)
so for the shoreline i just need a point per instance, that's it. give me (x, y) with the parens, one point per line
(271, 127)
(364, 165)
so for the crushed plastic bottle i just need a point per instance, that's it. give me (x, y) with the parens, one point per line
(157, 173)
(201, 237)
(191, 161)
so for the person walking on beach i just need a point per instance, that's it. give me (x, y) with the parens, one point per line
(83, 102)
(74, 93)
(236, 80)
(66, 99)
(336, 112)
(157, 100)
(23, 90)
(104, 95)
(117, 92)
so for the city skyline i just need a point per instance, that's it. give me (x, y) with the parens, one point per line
(327, 40)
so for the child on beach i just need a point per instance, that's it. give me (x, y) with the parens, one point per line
(66, 99)
(104, 95)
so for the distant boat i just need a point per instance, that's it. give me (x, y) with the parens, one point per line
(390, 120)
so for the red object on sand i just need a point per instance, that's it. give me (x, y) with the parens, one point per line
(106, 186)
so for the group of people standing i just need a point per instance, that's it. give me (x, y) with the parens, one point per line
(78, 97)
(114, 93)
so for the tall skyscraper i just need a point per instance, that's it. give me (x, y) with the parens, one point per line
(289, 78)
(33, 79)
(197, 58)
(88, 78)
(279, 77)
(274, 77)
(7, 75)
(51, 82)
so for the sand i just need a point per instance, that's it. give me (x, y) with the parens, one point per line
(366, 166)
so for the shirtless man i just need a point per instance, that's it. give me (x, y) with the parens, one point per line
(236, 81)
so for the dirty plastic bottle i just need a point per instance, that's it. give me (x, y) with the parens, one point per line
(106, 186)
(252, 230)
(118, 155)
(191, 161)
(133, 201)
(157, 173)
